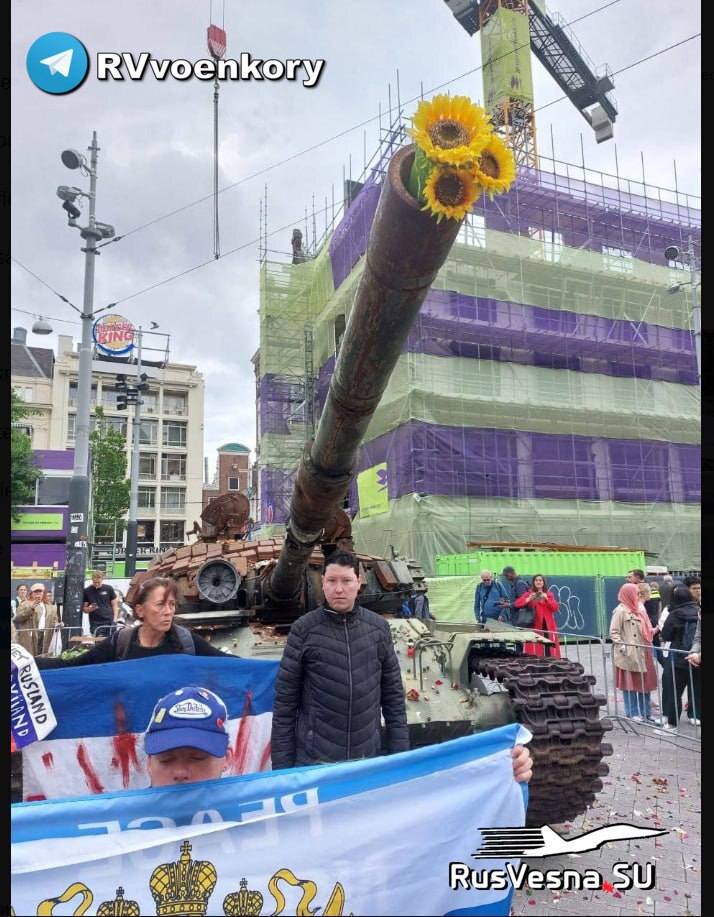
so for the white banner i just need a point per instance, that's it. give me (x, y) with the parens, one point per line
(366, 837)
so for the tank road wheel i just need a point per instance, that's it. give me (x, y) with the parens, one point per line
(553, 698)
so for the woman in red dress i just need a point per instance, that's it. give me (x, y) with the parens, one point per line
(544, 605)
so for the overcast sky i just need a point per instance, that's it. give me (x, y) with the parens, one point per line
(156, 142)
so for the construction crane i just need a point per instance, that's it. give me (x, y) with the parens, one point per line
(509, 29)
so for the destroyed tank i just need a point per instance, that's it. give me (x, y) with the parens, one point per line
(243, 594)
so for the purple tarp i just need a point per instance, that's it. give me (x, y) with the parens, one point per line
(585, 215)
(473, 462)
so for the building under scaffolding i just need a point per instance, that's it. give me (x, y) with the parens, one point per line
(547, 392)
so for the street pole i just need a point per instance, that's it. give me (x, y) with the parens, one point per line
(696, 308)
(76, 557)
(130, 562)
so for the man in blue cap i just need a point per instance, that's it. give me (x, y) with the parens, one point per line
(186, 739)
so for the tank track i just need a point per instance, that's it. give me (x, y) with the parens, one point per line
(554, 699)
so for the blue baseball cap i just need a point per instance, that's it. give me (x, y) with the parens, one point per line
(191, 717)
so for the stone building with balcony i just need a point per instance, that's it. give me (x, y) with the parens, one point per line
(170, 437)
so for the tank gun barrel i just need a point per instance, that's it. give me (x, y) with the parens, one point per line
(405, 251)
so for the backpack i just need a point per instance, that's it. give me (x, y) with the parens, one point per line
(407, 609)
(125, 635)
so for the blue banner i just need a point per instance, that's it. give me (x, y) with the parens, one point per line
(365, 837)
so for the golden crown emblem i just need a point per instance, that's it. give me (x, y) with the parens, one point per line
(243, 903)
(119, 907)
(183, 888)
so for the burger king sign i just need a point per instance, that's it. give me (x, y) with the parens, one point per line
(113, 334)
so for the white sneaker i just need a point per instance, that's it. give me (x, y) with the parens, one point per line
(656, 720)
(695, 722)
(667, 727)
(637, 718)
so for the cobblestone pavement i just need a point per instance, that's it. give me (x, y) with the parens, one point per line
(654, 781)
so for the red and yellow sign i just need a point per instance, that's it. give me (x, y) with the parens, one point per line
(113, 334)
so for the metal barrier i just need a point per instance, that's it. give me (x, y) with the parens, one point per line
(46, 634)
(660, 709)
(66, 632)
(106, 630)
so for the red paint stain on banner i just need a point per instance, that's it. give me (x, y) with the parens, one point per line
(90, 774)
(124, 746)
(240, 754)
(48, 760)
(265, 757)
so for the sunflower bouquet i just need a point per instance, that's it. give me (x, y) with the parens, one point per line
(458, 156)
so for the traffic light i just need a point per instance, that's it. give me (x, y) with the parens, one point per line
(143, 383)
(121, 402)
(121, 382)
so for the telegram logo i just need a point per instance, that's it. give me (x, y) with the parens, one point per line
(57, 62)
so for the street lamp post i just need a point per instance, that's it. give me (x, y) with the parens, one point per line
(76, 556)
(131, 529)
(672, 254)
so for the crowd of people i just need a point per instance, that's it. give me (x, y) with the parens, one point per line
(320, 717)
(658, 627)
(512, 600)
(338, 680)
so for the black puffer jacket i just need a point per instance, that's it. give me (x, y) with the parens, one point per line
(338, 672)
(680, 628)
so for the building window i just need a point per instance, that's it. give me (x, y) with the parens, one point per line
(174, 433)
(109, 398)
(23, 392)
(149, 403)
(172, 533)
(173, 499)
(173, 467)
(233, 484)
(145, 537)
(114, 423)
(174, 403)
(52, 491)
(73, 395)
(147, 467)
(72, 426)
(147, 497)
(149, 432)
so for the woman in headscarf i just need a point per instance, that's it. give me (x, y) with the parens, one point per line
(635, 673)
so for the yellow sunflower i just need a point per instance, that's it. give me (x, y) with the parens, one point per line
(451, 129)
(496, 169)
(450, 193)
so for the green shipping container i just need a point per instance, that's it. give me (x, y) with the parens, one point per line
(564, 563)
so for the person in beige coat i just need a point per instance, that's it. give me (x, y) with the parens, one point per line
(35, 621)
(635, 673)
